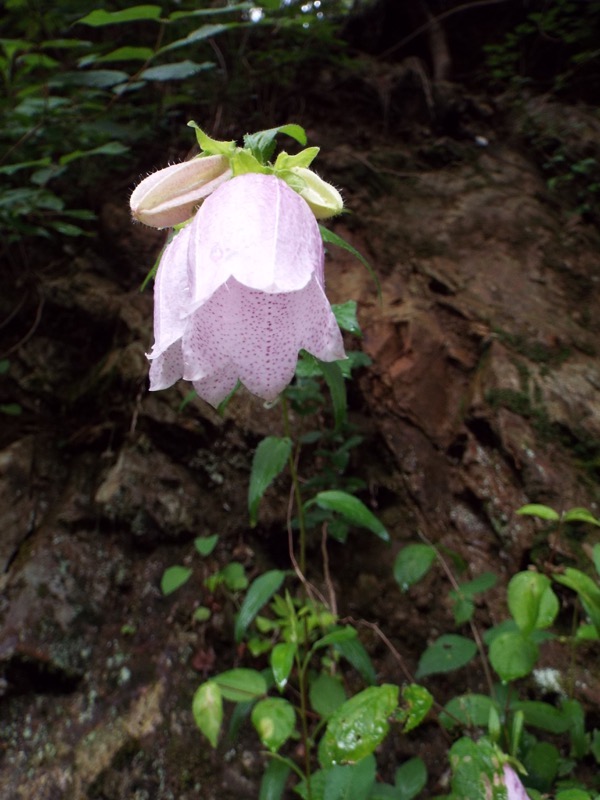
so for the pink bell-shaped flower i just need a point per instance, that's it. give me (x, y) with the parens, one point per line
(239, 291)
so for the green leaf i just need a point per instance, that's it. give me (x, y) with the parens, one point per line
(127, 54)
(541, 762)
(206, 544)
(329, 237)
(274, 719)
(596, 557)
(212, 147)
(302, 159)
(446, 654)
(573, 794)
(282, 661)
(11, 409)
(99, 78)
(513, 655)
(345, 315)
(326, 694)
(204, 12)
(355, 654)
(107, 149)
(173, 578)
(243, 163)
(587, 591)
(100, 17)
(358, 726)
(410, 779)
(539, 511)
(531, 601)
(271, 456)
(467, 710)
(207, 709)
(260, 592)
(350, 782)
(202, 614)
(241, 685)
(580, 515)
(353, 509)
(542, 715)
(476, 771)
(234, 576)
(416, 704)
(262, 143)
(199, 35)
(335, 637)
(337, 388)
(412, 563)
(274, 779)
(176, 71)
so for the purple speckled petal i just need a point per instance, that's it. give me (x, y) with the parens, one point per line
(514, 787)
(257, 230)
(258, 335)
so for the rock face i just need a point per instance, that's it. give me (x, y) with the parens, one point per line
(482, 396)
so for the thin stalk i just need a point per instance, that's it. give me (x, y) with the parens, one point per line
(296, 485)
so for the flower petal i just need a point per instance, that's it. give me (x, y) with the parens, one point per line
(171, 293)
(514, 787)
(170, 196)
(255, 336)
(257, 230)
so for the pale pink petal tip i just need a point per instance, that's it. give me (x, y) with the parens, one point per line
(514, 787)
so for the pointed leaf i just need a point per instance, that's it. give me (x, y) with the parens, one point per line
(412, 563)
(539, 511)
(282, 661)
(100, 17)
(262, 143)
(210, 146)
(259, 593)
(207, 708)
(354, 652)
(241, 685)
(446, 654)
(206, 544)
(271, 456)
(326, 694)
(176, 71)
(329, 237)
(353, 509)
(335, 381)
(410, 779)
(274, 779)
(173, 578)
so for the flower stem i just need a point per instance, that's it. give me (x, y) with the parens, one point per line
(296, 485)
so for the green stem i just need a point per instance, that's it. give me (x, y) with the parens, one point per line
(304, 723)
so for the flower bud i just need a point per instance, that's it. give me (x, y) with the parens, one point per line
(171, 195)
(324, 199)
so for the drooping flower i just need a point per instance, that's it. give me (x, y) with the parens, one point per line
(514, 788)
(171, 195)
(239, 291)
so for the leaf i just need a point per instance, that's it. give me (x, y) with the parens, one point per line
(100, 17)
(203, 12)
(329, 237)
(202, 614)
(207, 709)
(412, 563)
(350, 782)
(274, 719)
(416, 704)
(326, 694)
(173, 578)
(199, 35)
(262, 143)
(108, 149)
(540, 511)
(176, 71)
(303, 159)
(467, 710)
(282, 661)
(206, 544)
(355, 654)
(99, 78)
(531, 601)
(542, 715)
(212, 147)
(587, 591)
(270, 457)
(410, 779)
(260, 592)
(513, 655)
(358, 726)
(446, 654)
(580, 515)
(241, 685)
(541, 762)
(335, 637)
(353, 509)
(337, 388)
(345, 315)
(234, 576)
(127, 54)
(274, 779)
(476, 771)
